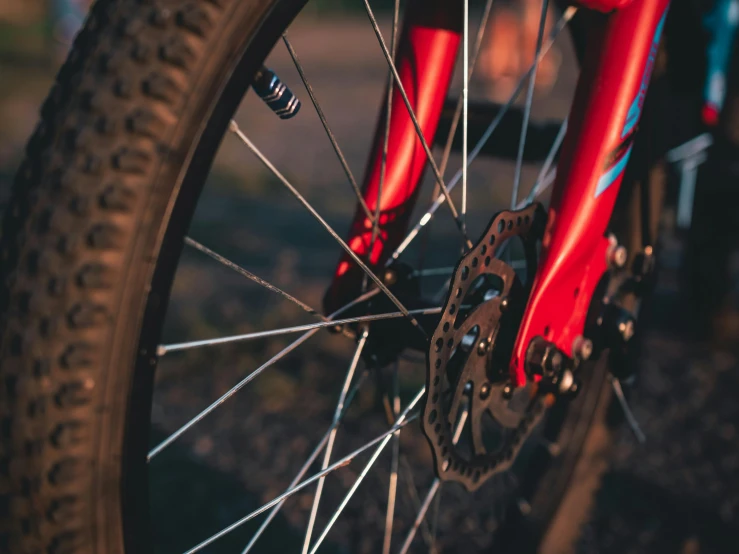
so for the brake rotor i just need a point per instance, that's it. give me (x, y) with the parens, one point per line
(473, 420)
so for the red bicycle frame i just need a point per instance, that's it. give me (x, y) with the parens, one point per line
(608, 103)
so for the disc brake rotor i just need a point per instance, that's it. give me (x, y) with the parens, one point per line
(467, 363)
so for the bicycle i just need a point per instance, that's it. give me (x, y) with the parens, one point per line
(534, 331)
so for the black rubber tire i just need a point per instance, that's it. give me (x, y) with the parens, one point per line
(90, 243)
(126, 138)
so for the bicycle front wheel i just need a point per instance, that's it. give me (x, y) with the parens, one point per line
(92, 251)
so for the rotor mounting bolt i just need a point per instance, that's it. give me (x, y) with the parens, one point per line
(583, 348)
(482, 347)
(485, 391)
(507, 392)
(626, 328)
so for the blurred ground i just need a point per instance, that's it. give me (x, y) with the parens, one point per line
(677, 493)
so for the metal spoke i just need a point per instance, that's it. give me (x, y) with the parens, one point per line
(249, 275)
(458, 110)
(376, 454)
(546, 174)
(465, 105)
(527, 105)
(393, 482)
(324, 122)
(539, 189)
(233, 390)
(446, 154)
(404, 419)
(435, 487)
(630, 418)
(246, 380)
(235, 128)
(421, 515)
(414, 119)
(460, 425)
(331, 439)
(435, 522)
(412, 491)
(303, 470)
(306, 466)
(561, 23)
(166, 348)
(404, 466)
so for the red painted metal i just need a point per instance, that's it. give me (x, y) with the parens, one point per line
(427, 53)
(607, 105)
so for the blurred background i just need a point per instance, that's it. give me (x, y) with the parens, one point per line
(679, 492)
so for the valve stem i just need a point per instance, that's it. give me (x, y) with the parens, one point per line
(275, 93)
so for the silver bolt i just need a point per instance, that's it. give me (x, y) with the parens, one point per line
(619, 255)
(583, 348)
(566, 381)
(482, 348)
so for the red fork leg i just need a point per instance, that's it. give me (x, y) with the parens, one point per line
(427, 52)
(604, 117)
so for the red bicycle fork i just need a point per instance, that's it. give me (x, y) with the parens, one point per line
(425, 60)
(608, 102)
